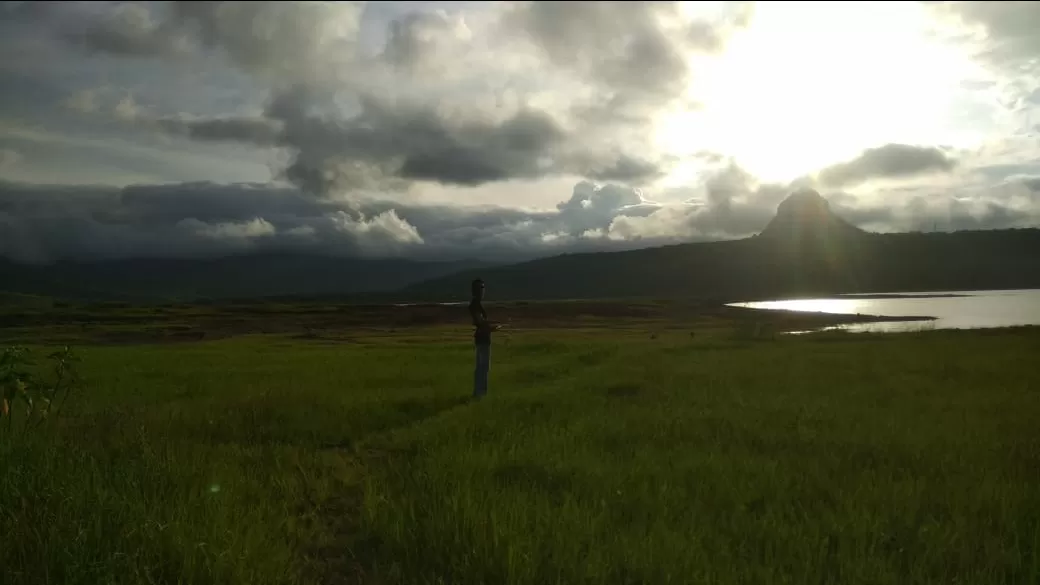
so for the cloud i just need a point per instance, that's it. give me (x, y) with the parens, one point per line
(1010, 29)
(84, 101)
(9, 157)
(205, 219)
(730, 204)
(14, 10)
(592, 208)
(41, 223)
(891, 161)
(367, 109)
(422, 42)
(127, 109)
(412, 143)
(1032, 183)
(282, 39)
(1003, 36)
(251, 129)
(621, 46)
(129, 29)
(944, 213)
(570, 89)
(277, 39)
(389, 145)
(634, 50)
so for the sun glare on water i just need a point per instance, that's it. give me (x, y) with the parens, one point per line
(808, 84)
(835, 306)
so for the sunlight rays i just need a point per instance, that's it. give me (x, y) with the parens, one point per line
(809, 84)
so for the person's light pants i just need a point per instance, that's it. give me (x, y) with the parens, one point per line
(480, 372)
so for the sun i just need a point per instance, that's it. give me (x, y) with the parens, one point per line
(808, 84)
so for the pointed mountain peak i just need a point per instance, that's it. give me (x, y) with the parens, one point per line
(807, 212)
(804, 200)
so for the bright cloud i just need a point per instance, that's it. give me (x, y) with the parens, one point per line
(807, 84)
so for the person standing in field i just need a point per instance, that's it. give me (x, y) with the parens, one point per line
(481, 338)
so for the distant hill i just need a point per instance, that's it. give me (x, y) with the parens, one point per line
(244, 276)
(805, 250)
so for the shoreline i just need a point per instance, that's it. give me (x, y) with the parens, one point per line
(187, 323)
(902, 296)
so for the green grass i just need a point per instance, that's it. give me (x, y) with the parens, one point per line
(598, 457)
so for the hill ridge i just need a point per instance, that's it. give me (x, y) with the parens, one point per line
(806, 248)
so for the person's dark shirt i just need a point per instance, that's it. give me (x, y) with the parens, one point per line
(482, 332)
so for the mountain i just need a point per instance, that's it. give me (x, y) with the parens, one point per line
(243, 276)
(805, 218)
(805, 250)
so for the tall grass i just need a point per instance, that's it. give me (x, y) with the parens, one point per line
(597, 457)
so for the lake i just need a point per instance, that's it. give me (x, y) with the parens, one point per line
(949, 310)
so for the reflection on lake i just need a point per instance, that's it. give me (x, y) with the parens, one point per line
(958, 310)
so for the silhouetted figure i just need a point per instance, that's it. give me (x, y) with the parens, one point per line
(481, 338)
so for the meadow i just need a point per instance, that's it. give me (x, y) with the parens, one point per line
(618, 445)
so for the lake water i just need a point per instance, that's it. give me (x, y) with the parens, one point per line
(966, 310)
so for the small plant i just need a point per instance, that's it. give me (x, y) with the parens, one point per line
(29, 397)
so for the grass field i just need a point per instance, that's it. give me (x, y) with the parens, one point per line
(629, 453)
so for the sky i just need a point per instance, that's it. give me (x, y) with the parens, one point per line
(503, 130)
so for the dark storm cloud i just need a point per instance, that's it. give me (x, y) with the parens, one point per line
(624, 169)
(130, 29)
(42, 223)
(253, 130)
(264, 37)
(25, 11)
(408, 142)
(888, 162)
(383, 140)
(278, 37)
(415, 143)
(624, 46)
